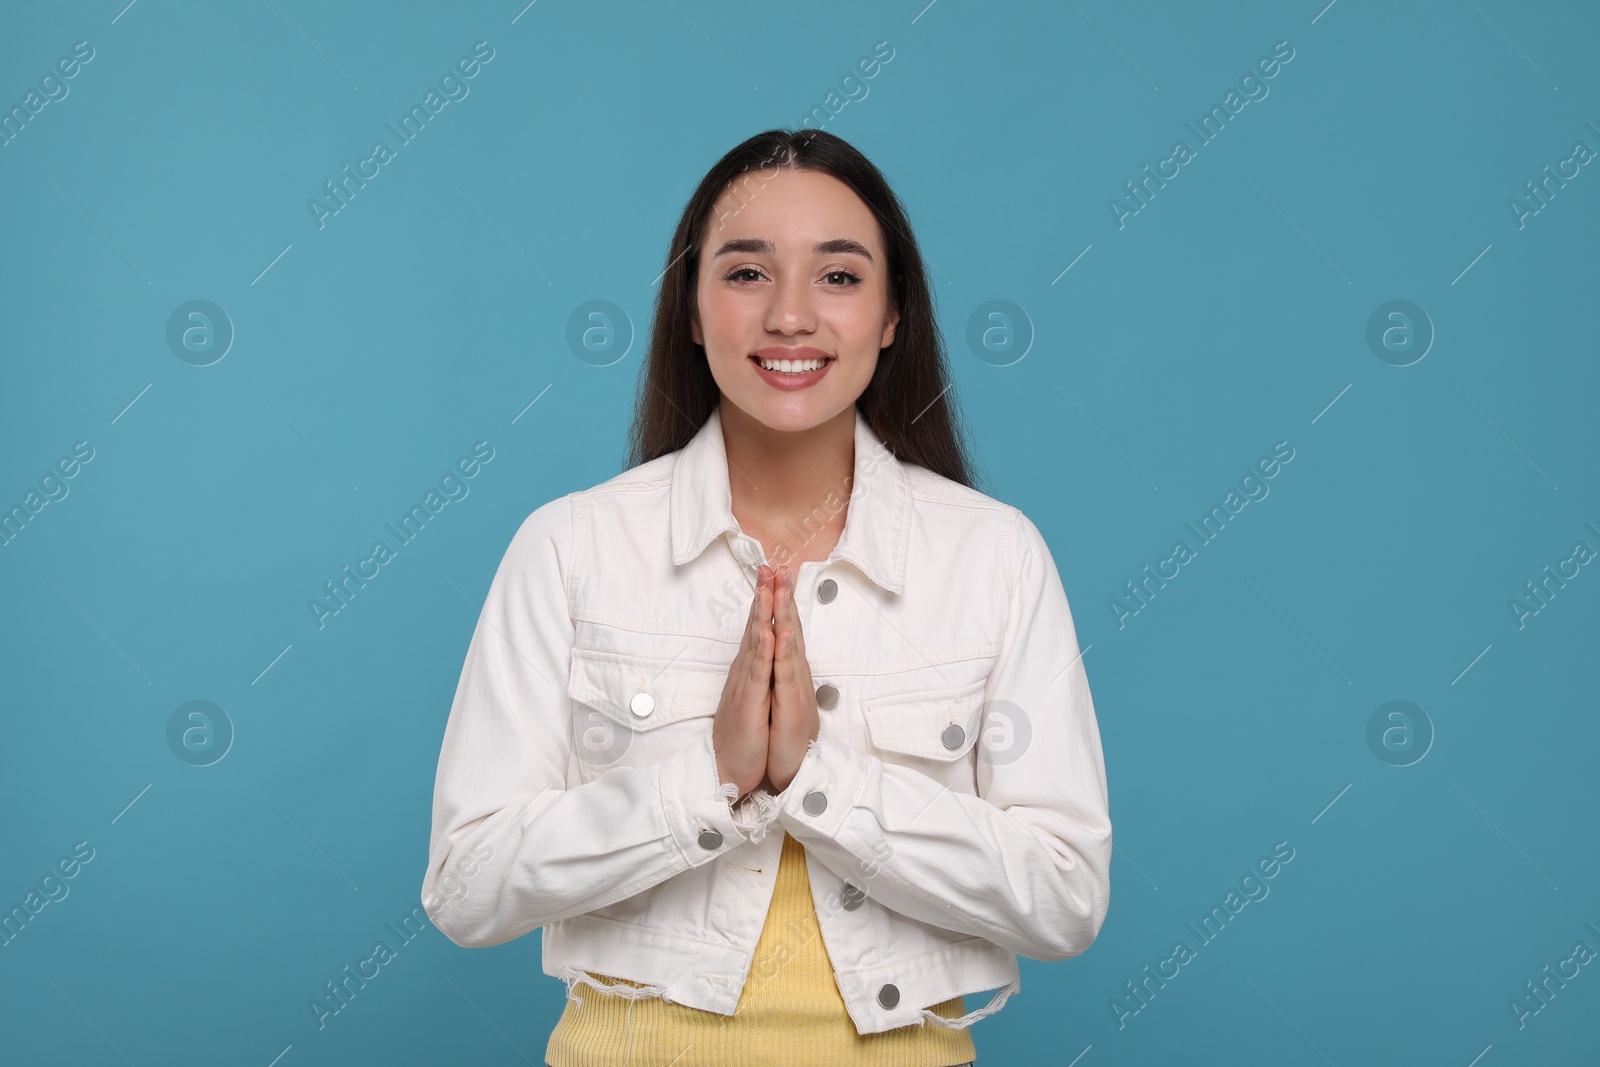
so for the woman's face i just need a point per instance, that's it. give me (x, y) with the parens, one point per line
(793, 267)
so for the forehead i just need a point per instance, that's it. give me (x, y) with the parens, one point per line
(793, 209)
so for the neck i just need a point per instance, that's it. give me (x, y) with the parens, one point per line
(786, 480)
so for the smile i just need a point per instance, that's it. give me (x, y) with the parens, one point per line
(792, 366)
(792, 373)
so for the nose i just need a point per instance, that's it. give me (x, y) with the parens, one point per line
(792, 308)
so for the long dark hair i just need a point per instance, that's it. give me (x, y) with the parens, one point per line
(909, 403)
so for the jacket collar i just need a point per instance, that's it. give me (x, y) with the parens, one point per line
(877, 528)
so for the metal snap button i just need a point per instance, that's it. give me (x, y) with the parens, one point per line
(889, 995)
(853, 896)
(953, 736)
(642, 704)
(827, 695)
(827, 589)
(815, 803)
(710, 839)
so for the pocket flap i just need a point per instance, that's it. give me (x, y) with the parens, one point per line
(676, 689)
(939, 724)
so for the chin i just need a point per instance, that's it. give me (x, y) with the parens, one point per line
(788, 414)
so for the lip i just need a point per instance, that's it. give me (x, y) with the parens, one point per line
(779, 380)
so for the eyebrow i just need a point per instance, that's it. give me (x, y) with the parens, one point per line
(762, 246)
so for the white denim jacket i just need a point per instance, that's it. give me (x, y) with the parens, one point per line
(953, 806)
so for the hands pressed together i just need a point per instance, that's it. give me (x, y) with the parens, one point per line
(768, 712)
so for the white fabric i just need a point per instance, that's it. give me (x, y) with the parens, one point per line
(558, 806)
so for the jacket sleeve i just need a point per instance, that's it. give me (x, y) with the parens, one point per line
(512, 847)
(1026, 862)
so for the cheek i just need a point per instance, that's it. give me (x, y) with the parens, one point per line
(722, 320)
(726, 334)
(861, 371)
(862, 330)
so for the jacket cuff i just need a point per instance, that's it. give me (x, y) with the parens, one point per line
(698, 807)
(755, 813)
(831, 775)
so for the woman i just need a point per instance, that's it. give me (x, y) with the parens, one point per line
(791, 610)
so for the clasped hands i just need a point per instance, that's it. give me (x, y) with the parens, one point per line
(767, 716)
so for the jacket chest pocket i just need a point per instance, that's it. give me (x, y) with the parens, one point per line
(934, 732)
(632, 711)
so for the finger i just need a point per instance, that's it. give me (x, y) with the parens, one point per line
(747, 648)
(791, 616)
(759, 667)
(783, 635)
(760, 614)
(759, 692)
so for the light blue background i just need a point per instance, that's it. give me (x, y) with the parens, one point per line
(1227, 315)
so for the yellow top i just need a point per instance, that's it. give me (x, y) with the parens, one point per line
(789, 1013)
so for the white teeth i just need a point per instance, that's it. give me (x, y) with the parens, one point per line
(792, 366)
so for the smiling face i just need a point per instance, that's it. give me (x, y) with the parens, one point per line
(793, 269)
